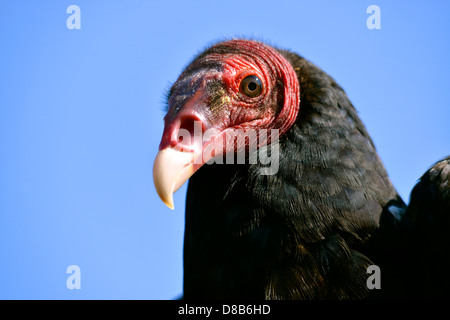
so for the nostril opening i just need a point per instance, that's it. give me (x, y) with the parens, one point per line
(189, 127)
(187, 123)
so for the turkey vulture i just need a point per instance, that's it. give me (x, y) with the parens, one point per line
(310, 227)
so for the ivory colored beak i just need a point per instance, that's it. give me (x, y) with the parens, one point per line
(171, 169)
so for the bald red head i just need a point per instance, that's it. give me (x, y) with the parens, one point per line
(236, 84)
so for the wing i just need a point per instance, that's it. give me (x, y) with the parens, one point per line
(414, 251)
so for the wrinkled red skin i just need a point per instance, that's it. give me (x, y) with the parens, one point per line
(276, 107)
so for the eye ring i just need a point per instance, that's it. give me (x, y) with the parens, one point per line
(251, 86)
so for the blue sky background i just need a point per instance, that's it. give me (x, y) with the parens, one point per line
(81, 119)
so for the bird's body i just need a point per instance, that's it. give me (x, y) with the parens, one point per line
(308, 218)
(311, 229)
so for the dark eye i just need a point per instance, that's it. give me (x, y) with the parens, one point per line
(251, 86)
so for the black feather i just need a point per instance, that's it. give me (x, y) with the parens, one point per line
(412, 245)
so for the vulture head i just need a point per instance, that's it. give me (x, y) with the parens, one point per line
(232, 88)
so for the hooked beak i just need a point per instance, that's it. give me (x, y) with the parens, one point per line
(171, 169)
(181, 150)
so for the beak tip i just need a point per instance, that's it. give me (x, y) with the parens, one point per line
(167, 199)
(171, 169)
(170, 204)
